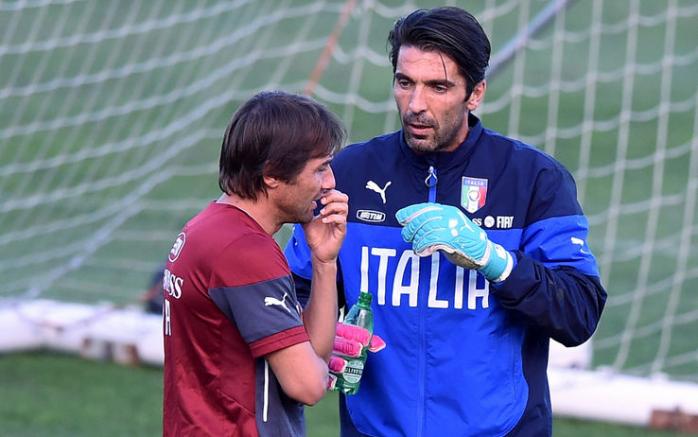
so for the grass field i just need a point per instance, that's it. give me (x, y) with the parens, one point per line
(46, 394)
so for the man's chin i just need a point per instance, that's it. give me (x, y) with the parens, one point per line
(300, 217)
(421, 144)
(305, 218)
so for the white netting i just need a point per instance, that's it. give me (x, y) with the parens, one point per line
(111, 116)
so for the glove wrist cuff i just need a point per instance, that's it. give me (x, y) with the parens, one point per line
(507, 270)
(499, 265)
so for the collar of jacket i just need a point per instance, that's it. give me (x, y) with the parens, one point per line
(445, 160)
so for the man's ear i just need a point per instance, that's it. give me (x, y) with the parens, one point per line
(477, 95)
(271, 182)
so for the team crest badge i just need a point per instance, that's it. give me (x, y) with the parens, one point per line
(177, 247)
(473, 193)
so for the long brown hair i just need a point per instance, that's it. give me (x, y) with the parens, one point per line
(274, 134)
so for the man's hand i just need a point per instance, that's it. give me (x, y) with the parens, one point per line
(325, 233)
(349, 342)
(433, 226)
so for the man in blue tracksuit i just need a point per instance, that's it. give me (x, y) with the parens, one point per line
(473, 246)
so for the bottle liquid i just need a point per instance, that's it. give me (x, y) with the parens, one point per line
(359, 314)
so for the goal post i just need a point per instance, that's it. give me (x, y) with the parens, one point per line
(112, 114)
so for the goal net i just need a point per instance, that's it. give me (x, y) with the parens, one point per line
(112, 114)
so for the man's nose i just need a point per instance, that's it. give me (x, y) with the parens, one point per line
(417, 102)
(328, 182)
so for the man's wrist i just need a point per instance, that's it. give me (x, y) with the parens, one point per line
(322, 264)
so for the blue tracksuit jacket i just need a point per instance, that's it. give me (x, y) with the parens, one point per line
(464, 357)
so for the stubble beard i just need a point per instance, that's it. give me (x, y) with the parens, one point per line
(433, 143)
(302, 216)
(439, 140)
(293, 212)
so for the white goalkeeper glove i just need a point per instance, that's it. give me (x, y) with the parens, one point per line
(433, 226)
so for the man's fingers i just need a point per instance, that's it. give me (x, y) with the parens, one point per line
(377, 344)
(415, 217)
(337, 364)
(424, 250)
(336, 207)
(409, 213)
(432, 232)
(348, 348)
(353, 332)
(352, 338)
(331, 382)
(334, 196)
(425, 222)
(335, 219)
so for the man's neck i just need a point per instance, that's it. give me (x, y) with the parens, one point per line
(259, 210)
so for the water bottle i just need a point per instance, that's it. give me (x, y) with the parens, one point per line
(359, 314)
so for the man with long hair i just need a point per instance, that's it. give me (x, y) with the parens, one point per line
(241, 356)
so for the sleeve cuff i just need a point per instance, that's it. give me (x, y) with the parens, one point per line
(278, 341)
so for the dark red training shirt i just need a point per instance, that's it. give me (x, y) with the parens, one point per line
(229, 301)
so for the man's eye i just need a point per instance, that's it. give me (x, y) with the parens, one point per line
(440, 88)
(403, 83)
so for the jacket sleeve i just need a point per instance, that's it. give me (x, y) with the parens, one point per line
(555, 283)
(563, 302)
(298, 257)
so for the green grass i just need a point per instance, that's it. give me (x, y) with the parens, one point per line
(49, 394)
(59, 395)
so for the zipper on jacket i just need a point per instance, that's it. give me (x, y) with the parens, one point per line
(430, 182)
(421, 372)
